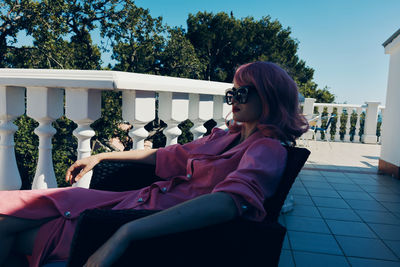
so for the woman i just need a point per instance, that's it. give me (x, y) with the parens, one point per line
(208, 181)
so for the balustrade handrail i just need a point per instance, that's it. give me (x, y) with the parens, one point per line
(338, 105)
(344, 105)
(108, 80)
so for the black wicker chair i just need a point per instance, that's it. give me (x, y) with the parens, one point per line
(235, 243)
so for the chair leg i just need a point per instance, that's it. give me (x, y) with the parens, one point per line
(327, 139)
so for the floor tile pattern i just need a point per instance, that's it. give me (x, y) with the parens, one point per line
(344, 214)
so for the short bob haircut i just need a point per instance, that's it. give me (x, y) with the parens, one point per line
(280, 118)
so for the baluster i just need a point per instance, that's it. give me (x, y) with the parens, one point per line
(338, 123)
(12, 105)
(173, 109)
(357, 137)
(138, 108)
(348, 125)
(319, 122)
(45, 105)
(83, 106)
(219, 111)
(200, 110)
(328, 130)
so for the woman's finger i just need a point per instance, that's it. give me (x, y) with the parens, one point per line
(73, 171)
(82, 172)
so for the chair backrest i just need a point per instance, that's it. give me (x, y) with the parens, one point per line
(296, 158)
(329, 121)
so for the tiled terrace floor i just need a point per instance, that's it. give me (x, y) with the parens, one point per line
(345, 214)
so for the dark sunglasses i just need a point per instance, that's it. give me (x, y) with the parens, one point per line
(239, 94)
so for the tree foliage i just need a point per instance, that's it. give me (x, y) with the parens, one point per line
(211, 48)
(222, 43)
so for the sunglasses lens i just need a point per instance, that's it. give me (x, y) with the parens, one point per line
(229, 97)
(241, 95)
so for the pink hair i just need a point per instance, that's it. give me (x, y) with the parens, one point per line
(280, 118)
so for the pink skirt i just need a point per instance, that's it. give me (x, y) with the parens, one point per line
(65, 204)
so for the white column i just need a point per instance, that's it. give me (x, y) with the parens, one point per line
(308, 107)
(348, 125)
(371, 118)
(173, 109)
(45, 105)
(12, 105)
(338, 123)
(83, 106)
(200, 110)
(221, 109)
(356, 137)
(138, 108)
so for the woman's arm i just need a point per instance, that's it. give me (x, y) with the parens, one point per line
(82, 166)
(196, 213)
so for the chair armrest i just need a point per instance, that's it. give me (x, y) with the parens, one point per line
(235, 243)
(122, 176)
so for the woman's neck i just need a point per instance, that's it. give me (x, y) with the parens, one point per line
(247, 130)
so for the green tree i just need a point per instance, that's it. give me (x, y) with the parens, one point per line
(223, 43)
(310, 89)
(15, 16)
(136, 38)
(178, 59)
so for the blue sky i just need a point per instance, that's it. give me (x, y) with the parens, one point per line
(341, 40)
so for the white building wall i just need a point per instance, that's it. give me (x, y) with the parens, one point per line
(390, 150)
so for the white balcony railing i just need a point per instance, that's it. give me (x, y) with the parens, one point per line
(43, 92)
(350, 120)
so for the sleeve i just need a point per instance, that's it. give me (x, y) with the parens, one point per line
(171, 160)
(256, 178)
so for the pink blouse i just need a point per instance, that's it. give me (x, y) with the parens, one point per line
(249, 172)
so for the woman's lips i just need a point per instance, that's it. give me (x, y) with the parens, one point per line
(235, 109)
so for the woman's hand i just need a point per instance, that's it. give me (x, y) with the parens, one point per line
(80, 168)
(111, 251)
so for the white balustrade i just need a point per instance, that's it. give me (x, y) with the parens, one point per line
(138, 108)
(45, 105)
(83, 106)
(179, 99)
(12, 105)
(357, 110)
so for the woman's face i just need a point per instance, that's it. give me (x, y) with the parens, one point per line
(250, 111)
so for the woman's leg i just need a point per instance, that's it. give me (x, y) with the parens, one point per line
(19, 232)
